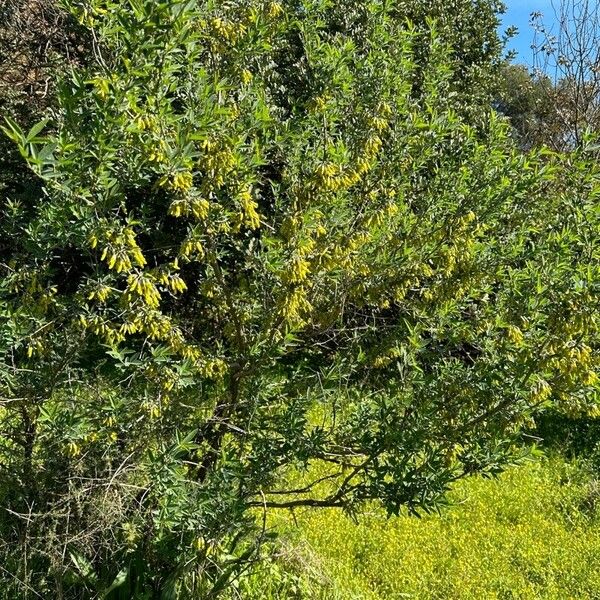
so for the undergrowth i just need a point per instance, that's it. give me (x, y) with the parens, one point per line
(532, 533)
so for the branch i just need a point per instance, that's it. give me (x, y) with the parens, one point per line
(308, 502)
(307, 488)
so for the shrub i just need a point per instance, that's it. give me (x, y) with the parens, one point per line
(266, 238)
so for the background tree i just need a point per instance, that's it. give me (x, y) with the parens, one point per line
(557, 102)
(266, 242)
(528, 101)
(570, 54)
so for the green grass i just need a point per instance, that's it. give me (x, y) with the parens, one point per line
(532, 533)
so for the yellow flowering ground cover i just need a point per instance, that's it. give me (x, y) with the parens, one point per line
(532, 533)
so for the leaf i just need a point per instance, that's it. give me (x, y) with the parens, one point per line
(169, 591)
(37, 128)
(14, 131)
(84, 566)
(46, 152)
(119, 580)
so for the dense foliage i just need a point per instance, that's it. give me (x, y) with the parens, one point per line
(528, 101)
(269, 235)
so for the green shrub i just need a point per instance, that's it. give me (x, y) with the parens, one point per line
(268, 235)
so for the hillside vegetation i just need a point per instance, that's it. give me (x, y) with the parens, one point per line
(269, 266)
(532, 533)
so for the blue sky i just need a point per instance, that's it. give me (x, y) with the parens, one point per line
(518, 14)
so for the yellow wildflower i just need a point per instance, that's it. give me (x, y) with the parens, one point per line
(275, 10)
(249, 206)
(246, 76)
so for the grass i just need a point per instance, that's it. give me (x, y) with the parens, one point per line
(532, 533)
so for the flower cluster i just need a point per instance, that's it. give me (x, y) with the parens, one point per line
(120, 250)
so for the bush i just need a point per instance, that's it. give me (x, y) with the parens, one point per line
(265, 237)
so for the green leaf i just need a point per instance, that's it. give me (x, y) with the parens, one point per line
(37, 128)
(119, 581)
(84, 567)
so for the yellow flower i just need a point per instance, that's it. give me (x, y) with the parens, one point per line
(320, 103)
(73, 449)
(144, 122)
(249, 206)
(157, 156)
(385, 109)
(191, 246)
(182, 181)
(229, 31)
(379, 123)
(246, 76)
(275, 10)
(143, 286)
(100, 293)
(197, 207)
(382, 361)
(153, 410)
(177, 284)
(373, 145)
(299, 270)
(102, 87)
(295, 303)
(541, 391)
